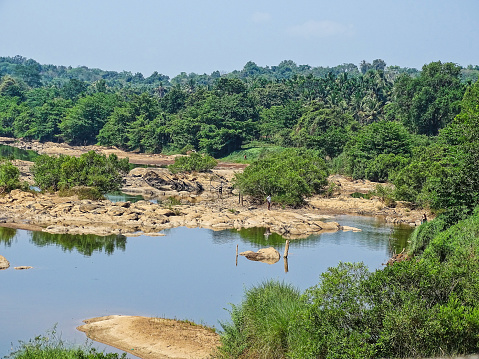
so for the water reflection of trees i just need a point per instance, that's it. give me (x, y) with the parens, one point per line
(7, 235)
(398, 238)
(85, 244)
(375, 234)
(11, 153)
(261, 237)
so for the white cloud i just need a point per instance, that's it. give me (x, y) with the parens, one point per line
(261, 17)
(325, 28)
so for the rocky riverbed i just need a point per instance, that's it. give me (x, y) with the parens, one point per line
(204, 200)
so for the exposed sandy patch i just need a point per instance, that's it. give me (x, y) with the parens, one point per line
(152, 338)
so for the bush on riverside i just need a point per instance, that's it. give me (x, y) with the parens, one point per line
(425, 307)
(9, 177)
(195, 162)
(90, 170)
(288, 176)
(262, 323)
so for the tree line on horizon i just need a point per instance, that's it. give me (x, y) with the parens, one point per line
(367, 123)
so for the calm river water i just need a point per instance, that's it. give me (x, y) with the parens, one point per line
(186, 274)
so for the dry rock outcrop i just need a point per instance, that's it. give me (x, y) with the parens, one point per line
(265, 255)
(4, 264)
(69, 215)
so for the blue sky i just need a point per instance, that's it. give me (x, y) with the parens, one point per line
(208, 35)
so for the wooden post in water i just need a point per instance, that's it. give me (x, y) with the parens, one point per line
(236, 255)
(286, 249)
(285, 264)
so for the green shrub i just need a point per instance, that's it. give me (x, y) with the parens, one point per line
(288, 176)
(385, 194)
(195, 162)
(9, 177)
(89, 170)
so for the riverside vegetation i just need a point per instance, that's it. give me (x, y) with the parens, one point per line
(416, 131)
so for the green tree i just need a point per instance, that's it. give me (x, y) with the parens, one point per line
(429, 102)
(47, 118)
(127, 126)
(288, 176)
(12, 113)
(84, 121)
(373, 140)
(323, 129)
(30, 74)
(275, 123)
(73, 89)
(11, 88)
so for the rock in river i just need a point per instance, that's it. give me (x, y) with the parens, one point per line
(4, 264)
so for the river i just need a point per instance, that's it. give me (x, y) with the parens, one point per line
(187, 274)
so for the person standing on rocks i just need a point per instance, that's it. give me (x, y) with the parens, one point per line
(268, 199)
(424, 218)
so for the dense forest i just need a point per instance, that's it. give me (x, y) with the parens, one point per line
(415, 129)
(372, 121)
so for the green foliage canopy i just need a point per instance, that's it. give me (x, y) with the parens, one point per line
(288, 176)
(429, 102)
(9, 177)
(380, 138)
(90, 169)
(195, 162)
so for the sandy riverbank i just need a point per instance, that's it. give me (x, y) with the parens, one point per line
(153, 338)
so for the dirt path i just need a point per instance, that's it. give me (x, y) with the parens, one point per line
(153, 338)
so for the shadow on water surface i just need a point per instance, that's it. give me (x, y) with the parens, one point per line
(13, 153)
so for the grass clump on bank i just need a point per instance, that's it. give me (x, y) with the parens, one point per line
(261, 324)
(424, 307)
(51, 346)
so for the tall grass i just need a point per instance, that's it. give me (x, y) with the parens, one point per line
(51, 346)
(261, 325)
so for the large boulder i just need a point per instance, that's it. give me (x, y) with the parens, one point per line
(165, 181)
(265, 255)
(4, 264)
